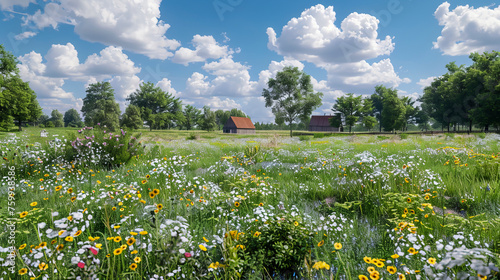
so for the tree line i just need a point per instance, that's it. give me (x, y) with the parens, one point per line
(466, 96)
(149, 105)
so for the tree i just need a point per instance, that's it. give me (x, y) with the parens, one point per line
(21, 101)
(43, 119)
(191, 116)
(207, 119)
(393, 112)
(17, 100)
(100, 107)
(57, 118)
(291, 96)
(152, 100)
(221, 117)
(350, 108)
(8, 70)
(485, 76)
(369, 122)
(376, 99)
(132, 117)
(410, 111)
(72, 118)
(422, 118)
(35, 111)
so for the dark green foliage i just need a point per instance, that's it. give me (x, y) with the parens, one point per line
(132, 117)
(100, 107)
(191, 117)
(350, 108)
(291, 96)
(57, 118)
(207, 120)
(159, 109)
(466, 96)
(72, 118)
(280, 248)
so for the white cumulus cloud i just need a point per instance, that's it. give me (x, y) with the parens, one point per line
(341, 51)
(466, 29)
(61, 64)
(205, 47)
(423, 83)
(166, 85)
(227, 78)
(131, 24)
(314, 37)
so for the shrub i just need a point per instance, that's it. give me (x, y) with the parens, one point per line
(101, 148)
(319, 135)
(450, 135)
(481, 135)
(41, 126)
(49, 124)
(278, 247)
(304, 137)
(403, 136)
(191, 136)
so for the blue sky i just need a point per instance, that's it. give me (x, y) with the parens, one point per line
(221, 52)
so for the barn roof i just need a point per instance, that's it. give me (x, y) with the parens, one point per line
(241, 122)
(320, 120)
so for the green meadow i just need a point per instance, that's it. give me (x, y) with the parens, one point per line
(199, 205)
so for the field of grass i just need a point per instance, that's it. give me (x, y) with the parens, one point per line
(263, 206)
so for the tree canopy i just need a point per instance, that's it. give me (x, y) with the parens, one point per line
(132, 117)
(466, 95)
(100, 107)
(158, 108)
(17, 100)
(72, 118)
(291, 96)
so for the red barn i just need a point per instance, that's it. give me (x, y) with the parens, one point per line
(239, 125)
(322, 123)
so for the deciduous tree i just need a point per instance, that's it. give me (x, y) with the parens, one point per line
(291, 96)
(100, 107)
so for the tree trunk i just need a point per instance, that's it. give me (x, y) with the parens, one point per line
(19, 123)
(290, 124)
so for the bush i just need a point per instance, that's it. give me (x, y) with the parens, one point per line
(49, 124)
(101, 148)
(41, 126)
(191, 136)
(304, 137)
(450, 135)
(278, 247)
(319, 135)
(403, 136)
(481, 135)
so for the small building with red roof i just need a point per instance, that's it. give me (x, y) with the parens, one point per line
(322, 123)
(239, 125)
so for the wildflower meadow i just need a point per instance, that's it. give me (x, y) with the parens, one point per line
(96, 204)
